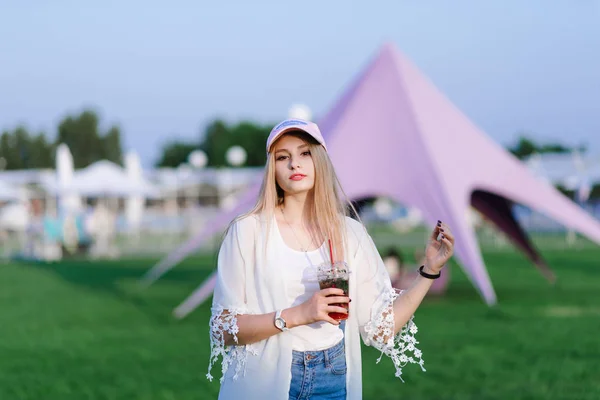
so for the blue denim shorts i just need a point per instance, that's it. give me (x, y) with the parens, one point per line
(319, 374)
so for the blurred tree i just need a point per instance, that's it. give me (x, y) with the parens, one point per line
(253, 139)
(111, 146)
(526, 147)
(8, 151)
(81, 134)
(21, 146)
(553, 148)
(595, 193)
(219, 137)
(175, 153)
(42, 153)
(20, 150)
(523, 148)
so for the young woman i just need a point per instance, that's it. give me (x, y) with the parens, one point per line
(270, 320)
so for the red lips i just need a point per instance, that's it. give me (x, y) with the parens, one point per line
(297, 177)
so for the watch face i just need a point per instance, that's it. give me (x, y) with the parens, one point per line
(279, 323)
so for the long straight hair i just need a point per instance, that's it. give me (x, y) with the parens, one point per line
(327, 203)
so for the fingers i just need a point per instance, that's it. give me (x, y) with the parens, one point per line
(337, 299)
(332, 291)
(436, 231)
(337, 309)
(448, 235)
(330, 300)
(448, 244)
(445, 231)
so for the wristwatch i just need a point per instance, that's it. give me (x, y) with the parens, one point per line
(280, 322)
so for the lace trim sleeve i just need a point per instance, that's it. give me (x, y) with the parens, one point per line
(379, 332)
(225, 321)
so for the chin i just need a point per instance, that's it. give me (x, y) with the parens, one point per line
(298, 189)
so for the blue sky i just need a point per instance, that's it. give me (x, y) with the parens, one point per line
(164, 70)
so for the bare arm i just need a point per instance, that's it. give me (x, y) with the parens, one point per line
(437, 253)
(406, 304)
(254, 328)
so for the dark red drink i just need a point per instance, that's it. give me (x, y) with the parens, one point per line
(335, 277)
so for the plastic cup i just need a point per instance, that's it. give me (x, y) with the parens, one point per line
(334, 276)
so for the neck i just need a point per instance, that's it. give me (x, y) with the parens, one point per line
(295, 208)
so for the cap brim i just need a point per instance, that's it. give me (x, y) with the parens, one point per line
(288, 130)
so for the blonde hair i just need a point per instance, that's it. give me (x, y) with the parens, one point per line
(328, 204)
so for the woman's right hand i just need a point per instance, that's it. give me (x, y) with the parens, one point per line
(318, 307)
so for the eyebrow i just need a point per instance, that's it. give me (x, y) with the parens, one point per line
(299, 147)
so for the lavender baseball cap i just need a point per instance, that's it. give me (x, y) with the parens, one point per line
(293, 125)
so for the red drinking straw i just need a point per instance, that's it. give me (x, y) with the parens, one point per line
(330, 251)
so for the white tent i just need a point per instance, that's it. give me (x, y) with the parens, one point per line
(68, 199)
(15, 215)
(10, 193)
(134, 206)
(107, 179)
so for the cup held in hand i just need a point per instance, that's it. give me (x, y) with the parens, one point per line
(334, 276)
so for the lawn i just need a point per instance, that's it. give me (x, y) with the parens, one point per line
(84, 330)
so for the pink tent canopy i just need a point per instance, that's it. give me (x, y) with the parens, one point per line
(394, 134)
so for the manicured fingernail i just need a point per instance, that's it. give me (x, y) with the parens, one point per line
(441, 230)
(350, 301)
(443, 237)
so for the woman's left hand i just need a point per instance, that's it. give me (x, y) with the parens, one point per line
(438, 252)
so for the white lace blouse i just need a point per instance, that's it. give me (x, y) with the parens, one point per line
(249, 282)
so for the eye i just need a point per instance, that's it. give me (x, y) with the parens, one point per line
(306, 153)
(280, 158)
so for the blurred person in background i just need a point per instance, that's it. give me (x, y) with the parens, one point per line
(395, 266)
(271, 321)
(407, 272)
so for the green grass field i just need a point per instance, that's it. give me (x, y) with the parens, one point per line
(83, 330)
